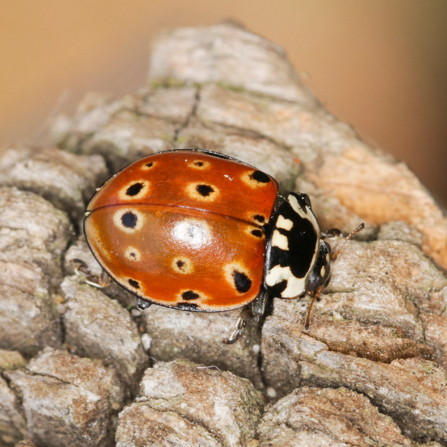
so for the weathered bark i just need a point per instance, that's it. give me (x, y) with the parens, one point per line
(371, 369)
(67, 400)
(224, 408)
(98, 327)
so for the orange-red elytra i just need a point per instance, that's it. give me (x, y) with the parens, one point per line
(184, 229)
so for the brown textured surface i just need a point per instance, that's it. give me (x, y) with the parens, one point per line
(13, 424)
(25, 443)
(380, 328)
(63, 179)
(198, 337)
(98, 327)
(311, 417)
(222, 405)
(70, 398)
(33, 237)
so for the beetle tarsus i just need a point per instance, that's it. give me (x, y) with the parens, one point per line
(82, 269)
(240, 326)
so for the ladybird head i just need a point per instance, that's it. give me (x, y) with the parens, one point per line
(321, 272)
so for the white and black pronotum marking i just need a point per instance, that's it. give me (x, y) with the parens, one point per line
(293, 247)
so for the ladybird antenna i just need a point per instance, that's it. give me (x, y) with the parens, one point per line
(316, 295)
(359, 228)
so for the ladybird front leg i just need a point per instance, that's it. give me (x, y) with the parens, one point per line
(258, 305)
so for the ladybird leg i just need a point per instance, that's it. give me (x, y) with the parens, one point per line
(333, 232)
(249, 313)
(240, 325)
(142, 304)
(317, 293)
(104, 279)
(99, 283)
(258, 305)
(81, 269)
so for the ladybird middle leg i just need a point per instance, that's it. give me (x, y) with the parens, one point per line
(258, 305)
(253, 312)
(240, 326)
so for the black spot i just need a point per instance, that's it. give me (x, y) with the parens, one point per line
(134, 189)
(257, 233)
(199, 163)
(180, 264)
(134, 283)
(204, 190)
(260, 177)
(190, 295)
(279, 288)
(259, 218)
(132, 254)
(149, 165)
(129, 219)
(241, 281)
(187, 306)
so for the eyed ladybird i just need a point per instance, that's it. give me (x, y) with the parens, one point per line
(200, 231)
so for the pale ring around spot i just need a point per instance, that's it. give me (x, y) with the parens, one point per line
(117, 220)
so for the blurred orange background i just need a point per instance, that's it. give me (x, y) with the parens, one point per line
(380, 65)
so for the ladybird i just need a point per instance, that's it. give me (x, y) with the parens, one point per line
(201, 231)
